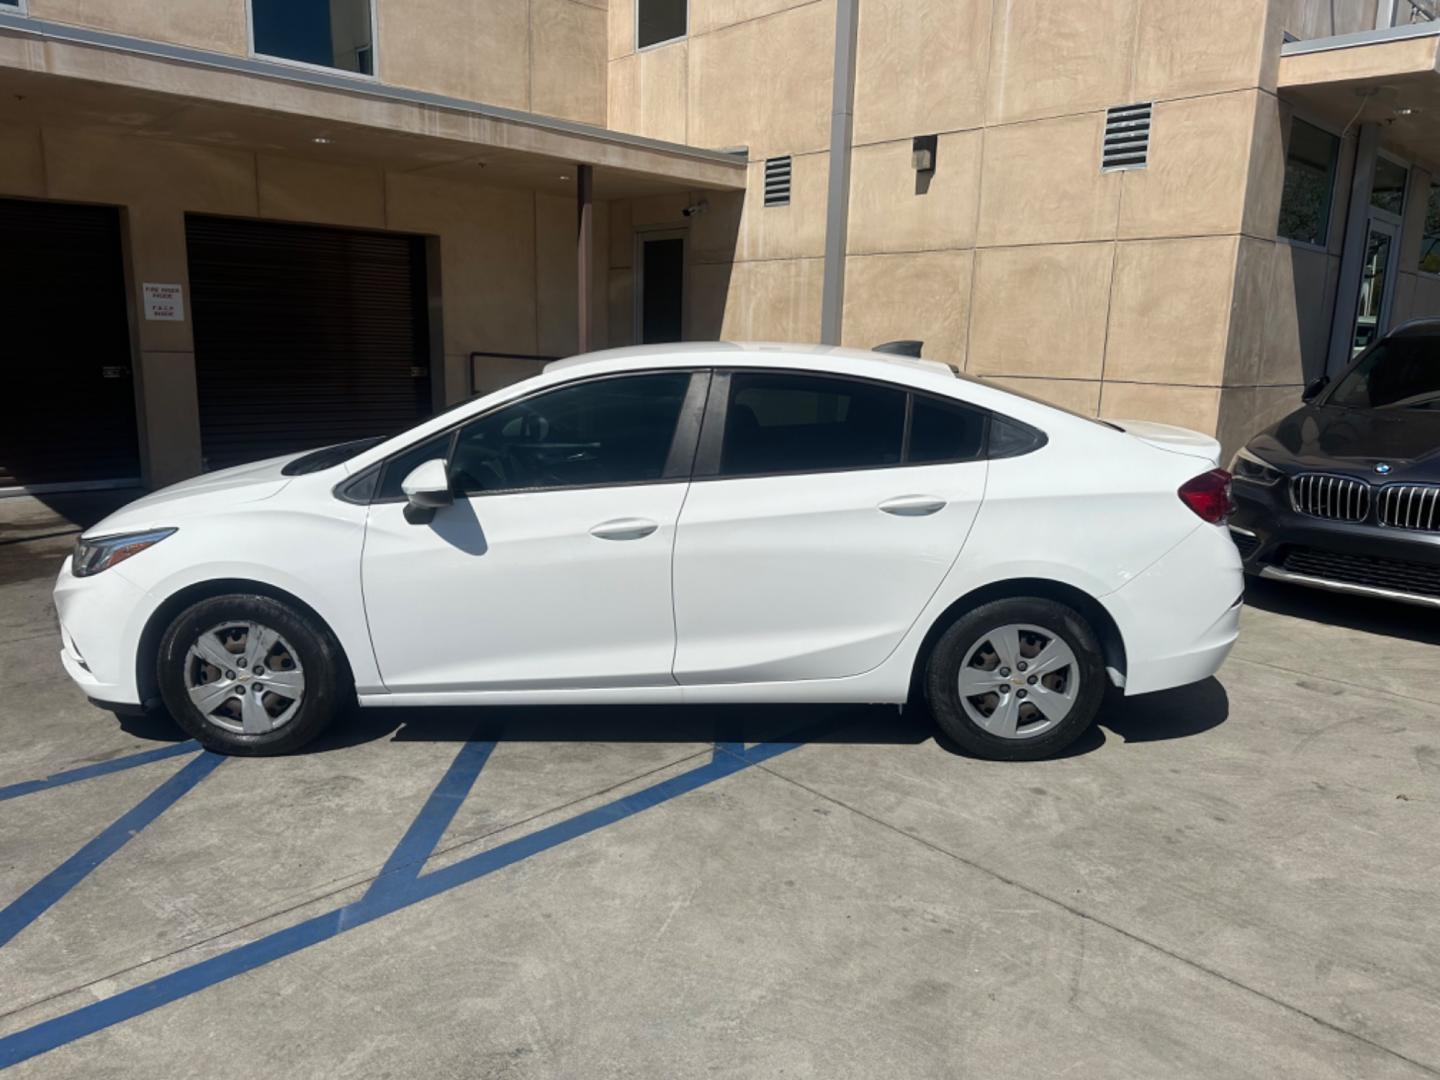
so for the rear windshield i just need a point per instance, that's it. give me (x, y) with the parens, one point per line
(329, 456)
(1399, 373)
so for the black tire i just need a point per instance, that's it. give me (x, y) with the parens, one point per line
(942, 675)
(326, 675)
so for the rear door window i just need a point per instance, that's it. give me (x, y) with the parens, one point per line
(784, 422)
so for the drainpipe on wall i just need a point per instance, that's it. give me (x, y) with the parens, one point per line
(1352, 254)
(837, 209)
(584, 254)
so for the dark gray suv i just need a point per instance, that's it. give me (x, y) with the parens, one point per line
(1344, 493)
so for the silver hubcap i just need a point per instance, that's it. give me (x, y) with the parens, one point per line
(1019, 681)
(244, 677)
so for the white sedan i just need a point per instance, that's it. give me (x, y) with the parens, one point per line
(683, 523)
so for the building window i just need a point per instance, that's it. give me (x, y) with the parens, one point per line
(327, 33)
(1430, 239)
(13, 4)
(1309, 184)
(1388, 191)
(659, 21)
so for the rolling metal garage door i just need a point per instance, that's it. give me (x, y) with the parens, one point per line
(304, 336)
(68, 417)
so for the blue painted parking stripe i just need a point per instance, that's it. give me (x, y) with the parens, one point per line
(44, 893)
(103, 768)
(88, 1019)
(404, 863)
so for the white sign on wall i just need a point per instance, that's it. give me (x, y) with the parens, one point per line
(164, 303)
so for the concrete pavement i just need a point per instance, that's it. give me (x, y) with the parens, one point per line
(1237, 879)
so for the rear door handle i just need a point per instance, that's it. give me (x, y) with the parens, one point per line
(913, 505)
(625, 529)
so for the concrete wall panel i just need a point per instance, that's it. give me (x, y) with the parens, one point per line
(924, 296)
(1196, 179)
(920, 67)
(1040, 311)
(1059, 59)
(1041, 183)
(328, 194)
(1170, 310)
(1199, 48)
(893, 208)
(567, 60)
(765, 83)
(1194, 407)
(218, 25)
(478, 50)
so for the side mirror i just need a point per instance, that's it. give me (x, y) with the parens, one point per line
(1312, 391)
(427, 488)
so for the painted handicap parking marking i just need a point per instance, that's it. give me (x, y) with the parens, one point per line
(399, 884)
(34, 901)
(103, 768)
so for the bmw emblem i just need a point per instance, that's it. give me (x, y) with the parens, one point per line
(1383, 468)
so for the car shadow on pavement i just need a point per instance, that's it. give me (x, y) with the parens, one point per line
(1172, 714)
(1363, 613)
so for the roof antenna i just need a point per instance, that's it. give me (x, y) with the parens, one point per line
(900, 348)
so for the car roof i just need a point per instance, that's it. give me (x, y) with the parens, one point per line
(741, 354)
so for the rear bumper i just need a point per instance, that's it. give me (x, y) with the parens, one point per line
(1180, 618)
(1359, 558)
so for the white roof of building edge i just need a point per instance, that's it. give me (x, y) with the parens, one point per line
(743, 353)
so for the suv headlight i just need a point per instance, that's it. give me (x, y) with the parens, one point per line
(102, 552)
(1247, 465)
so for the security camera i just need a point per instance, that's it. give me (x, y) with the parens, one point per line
(696, 208)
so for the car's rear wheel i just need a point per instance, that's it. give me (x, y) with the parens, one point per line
(1016, 679)
(247, 674)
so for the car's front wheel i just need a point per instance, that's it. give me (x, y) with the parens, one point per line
(1016, 679)
(247, 674)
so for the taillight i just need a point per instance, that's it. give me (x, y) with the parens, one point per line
(1208, 495)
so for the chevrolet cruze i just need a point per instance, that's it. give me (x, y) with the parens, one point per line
(682, 523)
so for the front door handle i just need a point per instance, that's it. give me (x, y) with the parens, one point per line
(913, 505)
(625, 529)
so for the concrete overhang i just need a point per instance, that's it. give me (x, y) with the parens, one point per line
(55, 74)
(1389, 77)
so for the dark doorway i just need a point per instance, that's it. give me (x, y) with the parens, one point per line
(662, 286)
(68, 418)
(304, 336)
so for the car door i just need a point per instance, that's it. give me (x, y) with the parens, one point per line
(823, 515)
(552, 567)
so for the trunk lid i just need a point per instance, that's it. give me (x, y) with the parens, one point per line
(1176, 440)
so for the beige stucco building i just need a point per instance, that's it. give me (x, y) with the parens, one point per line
(264, 223)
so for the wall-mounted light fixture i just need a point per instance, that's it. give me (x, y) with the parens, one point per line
(922, 153)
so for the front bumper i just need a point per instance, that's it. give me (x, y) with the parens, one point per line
(98, 634)
(1362, 558)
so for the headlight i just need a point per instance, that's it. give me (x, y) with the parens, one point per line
(1249, 466)
(103, 552)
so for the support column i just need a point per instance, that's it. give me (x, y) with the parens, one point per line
(837, 211)
(584, 252)
(1352, 255)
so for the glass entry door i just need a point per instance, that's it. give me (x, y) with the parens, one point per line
(1372, 314)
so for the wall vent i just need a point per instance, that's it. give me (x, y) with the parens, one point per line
(1127, 137)
(777, 181)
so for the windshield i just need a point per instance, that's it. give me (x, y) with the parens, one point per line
(1399, 373)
